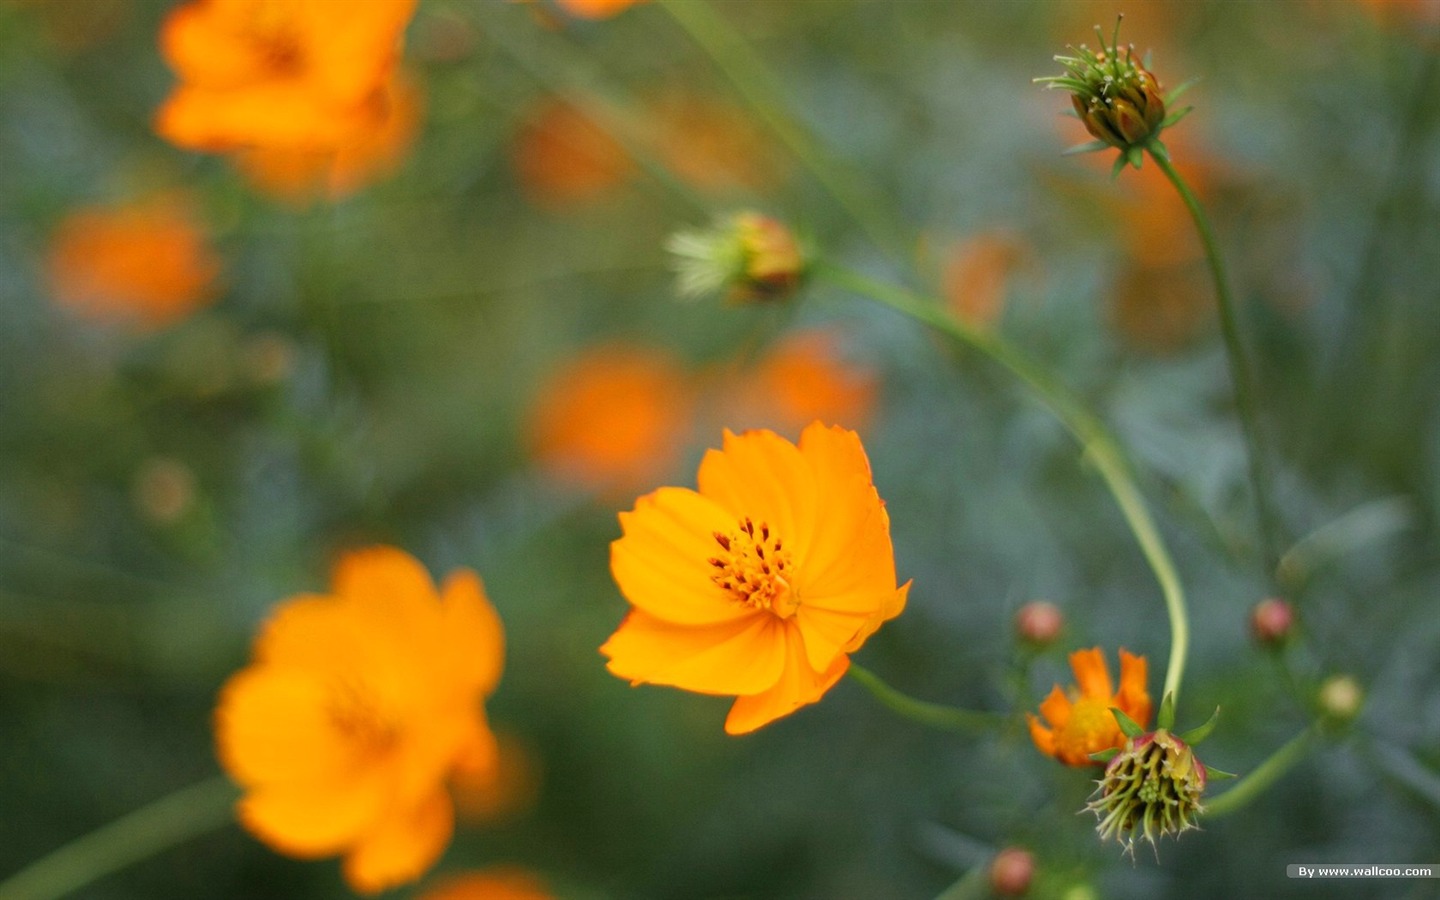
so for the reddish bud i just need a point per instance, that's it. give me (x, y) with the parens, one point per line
(1272, 620)
(1039, 622)
(1011, 872)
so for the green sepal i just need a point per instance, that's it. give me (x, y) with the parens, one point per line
(1091, 147)
(1104, 756)
(1134, 155)
(1175, 94)
(1212, 772)
(1166, 718)
(1162, 153)
(1119, 166)
(1127, 724)
(1175, 117)
(1196, 735)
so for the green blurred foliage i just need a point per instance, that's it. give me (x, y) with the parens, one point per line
(419, 317)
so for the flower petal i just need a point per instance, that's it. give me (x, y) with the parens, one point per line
(1056, 708)
(1043, 737)
(402, 846)
(763, 476)
(312, 818)
(741, 657)
(662, 563)
(474, 638)
(271, 726)
(1092, 674)
(798, 685)
(1133, 698)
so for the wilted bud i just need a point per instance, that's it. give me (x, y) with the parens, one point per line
(751, 257)
(1272, 620)
(1340, 698)
(1114, 94)
(1151, 788)
(1011, 872)
(1039, 622)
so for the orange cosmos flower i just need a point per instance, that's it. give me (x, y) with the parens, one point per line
(1080, 722)
(502, 883)
(146, 264)
(977, 274)
(714, 146)
(562, 157)
(596, 9)
(356, 708)
(612, 419)
(760, 583)
(804, 377)
(278, 73)
(298, 175)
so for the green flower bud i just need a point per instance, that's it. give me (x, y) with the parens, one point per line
(751, 257)
(1151, 788)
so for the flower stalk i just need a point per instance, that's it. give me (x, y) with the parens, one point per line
(1262, 776)
(935, 715)
(1099, 446)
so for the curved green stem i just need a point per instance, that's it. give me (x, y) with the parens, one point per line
(1099, 446)
(1262, 776)
(171, 820)
(1241, 376)
(936, 715)
(753, 80)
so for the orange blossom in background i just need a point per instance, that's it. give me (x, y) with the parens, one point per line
(1080, 722)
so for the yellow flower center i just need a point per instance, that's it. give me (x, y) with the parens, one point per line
(755, 568)
(355, 711)
(1090, 729)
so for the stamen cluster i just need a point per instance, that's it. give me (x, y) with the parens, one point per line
(1151, 788)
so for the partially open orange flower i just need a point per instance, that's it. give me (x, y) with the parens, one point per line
(613, 419)
(1080, 722)
(147, 264)
(356, 708)
(299, 175)
(760, 583)
(502, 883)
(278, 73)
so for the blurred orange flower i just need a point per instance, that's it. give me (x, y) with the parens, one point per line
(977, 274)
(501, 883)
(490, 792)
(562, 157)
(613, 419)
(1080, 722)
(299, 174)
(145, 264)
(356, 708)
(714, 146)
(804, 377)
(759, 584)
(278, 73)
(596, 9)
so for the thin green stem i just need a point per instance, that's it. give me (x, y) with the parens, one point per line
(973, 885)
(757, 85)
(1095, 439)
(165, 823)
(1242, 378)
(1262, 776)
(936, 715)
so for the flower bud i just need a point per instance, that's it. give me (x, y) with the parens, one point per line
(1039, 623)
(1272, 620)
(1011, 871)
(1151, 788)
(753, 257)
(1117, 98)
(1340, 698)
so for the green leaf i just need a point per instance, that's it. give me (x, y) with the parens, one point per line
(1218, 774)
(1089, 147)
(1166, 719)
(1105, 755)
(1196, 735)
(1175, 94)
(1127, 724)
(1175, 117)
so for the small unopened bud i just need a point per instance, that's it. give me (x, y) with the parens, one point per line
(1340, 698)
(751, 257)
(1272, 620)
(1151, 788)
(1039, 622)
(1011, 872)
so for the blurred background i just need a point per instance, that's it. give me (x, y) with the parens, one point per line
(217, 372)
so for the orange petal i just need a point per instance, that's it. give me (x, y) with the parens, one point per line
(402, 846)
(271, 726)
(1133, 698)
(1043, 737)
(1056, 708)
(662, 562)
(798, 686)
(761, 475)
(1091, 673)
(828, 633)
(315, 633)
(312, 819)
(270, 114)
(353, 54)
(202, 48)
(742, 657)
(474, 636)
